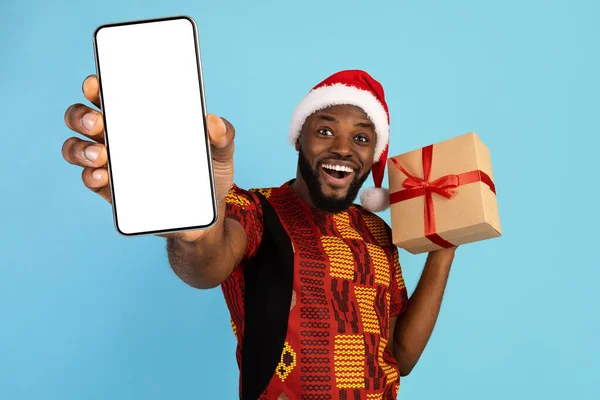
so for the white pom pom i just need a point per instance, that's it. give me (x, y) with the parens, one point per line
(375, 199)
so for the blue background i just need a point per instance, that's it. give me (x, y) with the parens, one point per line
(88, 314)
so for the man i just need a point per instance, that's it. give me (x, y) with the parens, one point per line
(312, 281)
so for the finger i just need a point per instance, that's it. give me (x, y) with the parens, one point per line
(86, 121)
(91, 89)
(187, 237)
(96, 179)
(84, 153)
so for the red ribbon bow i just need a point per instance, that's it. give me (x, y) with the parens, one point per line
(444, 186)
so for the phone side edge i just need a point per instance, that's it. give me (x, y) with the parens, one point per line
(201, 88)
(105, 134)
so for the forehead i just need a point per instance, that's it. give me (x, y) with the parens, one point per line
(343, 111)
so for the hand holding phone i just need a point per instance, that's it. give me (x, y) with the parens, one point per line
(162, 179)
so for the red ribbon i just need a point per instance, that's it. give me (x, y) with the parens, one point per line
(444, 186)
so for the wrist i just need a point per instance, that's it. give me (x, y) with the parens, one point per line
(443, 256)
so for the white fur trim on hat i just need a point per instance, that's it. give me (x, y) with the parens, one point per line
(337, 94)
(375, 199)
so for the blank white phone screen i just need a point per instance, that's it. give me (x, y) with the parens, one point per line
(154, 116)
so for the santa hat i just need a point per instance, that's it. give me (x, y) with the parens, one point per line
(358, 88)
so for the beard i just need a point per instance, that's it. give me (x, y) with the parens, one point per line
(321, 201)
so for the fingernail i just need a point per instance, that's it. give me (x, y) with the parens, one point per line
(88, 120)
(91, 152)
(224, 126)
(98, 174)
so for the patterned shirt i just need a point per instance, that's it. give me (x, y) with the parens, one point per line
(311, 301)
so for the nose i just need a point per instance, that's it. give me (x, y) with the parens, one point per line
(342, 146)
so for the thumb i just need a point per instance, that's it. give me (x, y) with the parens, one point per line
(220, 131)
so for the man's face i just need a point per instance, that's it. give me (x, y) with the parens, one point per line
(336, 149)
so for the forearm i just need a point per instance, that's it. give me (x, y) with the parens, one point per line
(415, 325)
(207, 262)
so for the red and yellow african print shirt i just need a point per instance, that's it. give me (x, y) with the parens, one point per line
(323, 288)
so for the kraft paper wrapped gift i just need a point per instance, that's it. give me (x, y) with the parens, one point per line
(443, 195)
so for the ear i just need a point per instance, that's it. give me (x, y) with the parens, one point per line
(298, 144)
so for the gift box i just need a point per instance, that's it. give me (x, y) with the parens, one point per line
(443, 195)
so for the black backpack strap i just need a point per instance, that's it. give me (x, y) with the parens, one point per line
(268, 286)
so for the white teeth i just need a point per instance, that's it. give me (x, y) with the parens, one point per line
(337, 167)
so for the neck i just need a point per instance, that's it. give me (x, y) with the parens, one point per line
(301, 188)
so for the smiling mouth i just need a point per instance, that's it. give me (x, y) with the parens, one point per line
(337, 175)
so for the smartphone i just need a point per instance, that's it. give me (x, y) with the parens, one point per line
(153, 105)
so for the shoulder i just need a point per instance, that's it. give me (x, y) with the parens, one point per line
(269, 193)
(245, 197)
(236, 196)
(376, 225)
(371, 217)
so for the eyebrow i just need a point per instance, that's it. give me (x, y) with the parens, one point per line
(358, 124)
(365, 125)
(327, 118)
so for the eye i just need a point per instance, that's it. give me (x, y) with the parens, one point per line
(325, 132)
(362, 138)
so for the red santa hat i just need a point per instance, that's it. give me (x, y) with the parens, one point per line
(358, 88)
